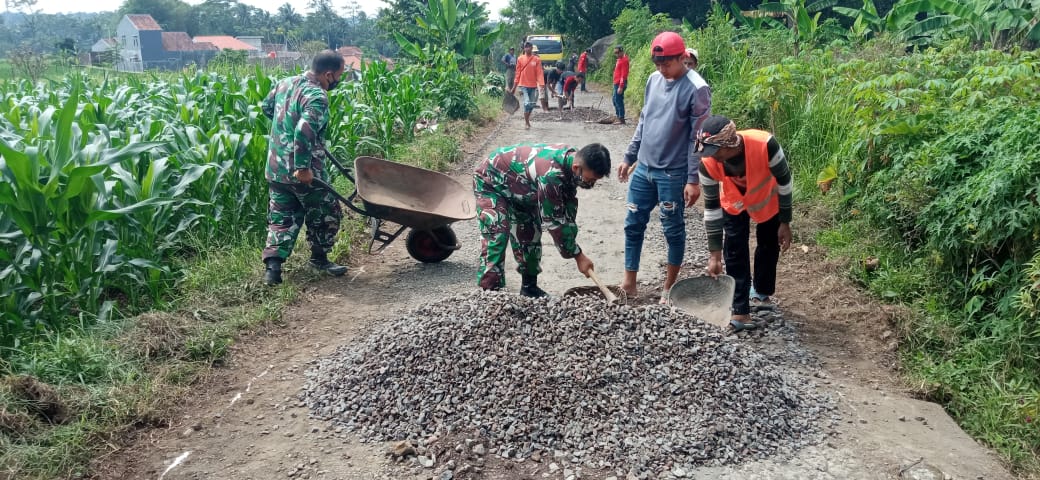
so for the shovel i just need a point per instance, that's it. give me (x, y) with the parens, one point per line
(509, 103)
(611, 298)
(706, 298)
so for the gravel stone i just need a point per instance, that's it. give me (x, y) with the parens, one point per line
(652, 386)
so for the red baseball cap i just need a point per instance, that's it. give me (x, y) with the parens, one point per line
(667, 44)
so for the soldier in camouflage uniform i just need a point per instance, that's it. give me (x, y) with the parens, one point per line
(522, 189)
(299, 110)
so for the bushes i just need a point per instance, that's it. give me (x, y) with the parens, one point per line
(932, 162)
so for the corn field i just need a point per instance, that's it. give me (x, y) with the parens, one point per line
(103, 182)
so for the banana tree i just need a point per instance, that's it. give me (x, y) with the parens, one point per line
(865, 21)
(802, 19)
(993, 23)
(451, 24)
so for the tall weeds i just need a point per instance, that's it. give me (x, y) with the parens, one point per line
(932, 157)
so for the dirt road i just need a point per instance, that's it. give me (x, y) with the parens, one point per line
(247, 422)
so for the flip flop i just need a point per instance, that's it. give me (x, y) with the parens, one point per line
(738, 326)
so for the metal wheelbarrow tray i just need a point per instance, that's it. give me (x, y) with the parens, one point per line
(425, 201)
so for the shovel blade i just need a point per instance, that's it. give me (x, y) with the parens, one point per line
(706, 298)
(509, 103)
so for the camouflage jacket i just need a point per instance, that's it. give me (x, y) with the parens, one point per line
(299, 111)
(537, 179)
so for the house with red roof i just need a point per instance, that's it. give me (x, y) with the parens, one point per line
(143, 45)
(226, 42)
(353, 57)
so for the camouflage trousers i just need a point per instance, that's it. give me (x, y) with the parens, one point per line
(501, 224)
(293, 206)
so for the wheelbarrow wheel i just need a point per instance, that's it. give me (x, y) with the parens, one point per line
(431, 246)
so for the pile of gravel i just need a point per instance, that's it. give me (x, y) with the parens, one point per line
(633, 389)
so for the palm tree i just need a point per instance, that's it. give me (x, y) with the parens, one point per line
(288, 16)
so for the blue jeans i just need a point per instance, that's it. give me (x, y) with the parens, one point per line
(619, 103)
(530, 98)
(649, 188)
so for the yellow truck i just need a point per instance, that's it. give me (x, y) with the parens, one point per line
(548, 47)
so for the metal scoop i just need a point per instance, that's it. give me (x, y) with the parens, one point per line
(509, 103)
(706, 298)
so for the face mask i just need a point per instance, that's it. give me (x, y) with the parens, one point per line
(585, 183)
(333, 84)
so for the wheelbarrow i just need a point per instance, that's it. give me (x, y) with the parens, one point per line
(425, 201)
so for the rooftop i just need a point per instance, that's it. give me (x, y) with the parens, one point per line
(143, 22)
(225, 42)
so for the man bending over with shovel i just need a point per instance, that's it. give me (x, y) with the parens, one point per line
(522, 189)
(745, 177)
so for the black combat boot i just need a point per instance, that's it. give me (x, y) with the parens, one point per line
(529, 287)
(273, 272)
(321, 262)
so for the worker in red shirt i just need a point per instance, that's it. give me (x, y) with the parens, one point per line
(583, 66)
(620, 83)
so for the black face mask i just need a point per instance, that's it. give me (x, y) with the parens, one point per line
(333, 84)
(585, 183)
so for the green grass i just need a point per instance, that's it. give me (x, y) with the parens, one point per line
(118, 376)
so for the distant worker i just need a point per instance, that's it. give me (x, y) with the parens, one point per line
(572, 63)
(299, 111)
(570, 81)
(509, 60)
(554, 78)
(662, 158)
(530, 79)
(522, 189)
(691, 58)
(620, 84)
(746, 178)
(583, 66)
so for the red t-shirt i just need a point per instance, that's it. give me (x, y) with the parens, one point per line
(621, 71)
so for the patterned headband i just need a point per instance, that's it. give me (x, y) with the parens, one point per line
(727, 137)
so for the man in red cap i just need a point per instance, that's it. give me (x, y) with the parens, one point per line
(662, 158)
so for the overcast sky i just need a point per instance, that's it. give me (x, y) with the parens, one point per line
(369, 6)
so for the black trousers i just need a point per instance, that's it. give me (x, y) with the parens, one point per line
(736, 250)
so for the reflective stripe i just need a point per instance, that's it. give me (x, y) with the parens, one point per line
(777, 158)
(763, 184)
(713, 214)
(785, 189)
(760, 205)
(708, 181)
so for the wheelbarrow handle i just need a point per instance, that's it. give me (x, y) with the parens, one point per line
(339, 166)
(348, 201)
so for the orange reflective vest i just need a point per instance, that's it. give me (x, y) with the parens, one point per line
(760, 199)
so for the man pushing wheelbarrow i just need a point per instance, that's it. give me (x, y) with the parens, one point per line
(299, 111)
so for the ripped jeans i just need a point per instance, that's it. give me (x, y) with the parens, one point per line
(649, 188)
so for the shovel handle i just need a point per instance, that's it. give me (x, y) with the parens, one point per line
(611, 298)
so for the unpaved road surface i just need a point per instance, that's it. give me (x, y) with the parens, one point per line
(247, 422)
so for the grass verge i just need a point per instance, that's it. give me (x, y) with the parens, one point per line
(116, 377)
(982, 381)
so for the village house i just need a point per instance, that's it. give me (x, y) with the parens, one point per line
(143, 45)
